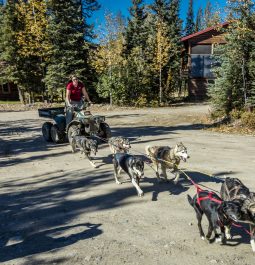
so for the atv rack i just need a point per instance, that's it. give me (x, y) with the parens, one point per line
(51, 112)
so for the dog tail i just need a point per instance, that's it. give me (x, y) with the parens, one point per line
(190, 200)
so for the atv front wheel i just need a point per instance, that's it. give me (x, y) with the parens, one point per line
(46, 128)
(105, 131)
(56, 135)
(72, 131)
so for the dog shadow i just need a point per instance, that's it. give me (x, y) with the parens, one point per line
(103, 160)
(239, 236)
(159, 187)
(186, 178)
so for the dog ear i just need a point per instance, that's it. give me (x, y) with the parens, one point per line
(176, 147)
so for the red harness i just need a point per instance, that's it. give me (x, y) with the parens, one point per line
(209, 197)
(215, 200)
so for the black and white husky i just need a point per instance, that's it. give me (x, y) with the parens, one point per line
(85, 145)
(131, 165)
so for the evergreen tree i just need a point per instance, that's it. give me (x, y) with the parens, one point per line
(67, 35)
(8, 46)
(234, 88)
(212, 15)
(190, 26)
(199, 20)
(208, 13)
(135, 45)
(135, 29)
(173, 78)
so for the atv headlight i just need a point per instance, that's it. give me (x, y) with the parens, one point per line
(99, 119)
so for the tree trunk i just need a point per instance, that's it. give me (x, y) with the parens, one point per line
(21, 96)
(160, 78)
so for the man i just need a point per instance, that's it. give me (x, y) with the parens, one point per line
(75, 91)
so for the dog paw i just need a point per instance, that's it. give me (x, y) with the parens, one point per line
(253, 245)
(118, 182)
(140, 194)
(202, 237)
(228, 236)
(218, 240)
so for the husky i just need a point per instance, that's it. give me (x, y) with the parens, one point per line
(167, 157)
(131, 165)
(220, 214)
(86, 146)
(234, 190)
(119, 145)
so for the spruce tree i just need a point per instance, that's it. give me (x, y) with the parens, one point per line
(234, 87)
(208, 13)
(67, 35)
(135, 35)
(199, 20)
(8, 46)
(190, 25)
(135, 45)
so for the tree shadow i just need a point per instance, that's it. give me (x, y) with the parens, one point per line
(18, 137)
(31, 215)
(48, 240)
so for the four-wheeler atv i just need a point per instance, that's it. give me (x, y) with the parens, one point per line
(83, 123)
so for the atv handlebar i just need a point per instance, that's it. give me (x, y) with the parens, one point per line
(78, 107)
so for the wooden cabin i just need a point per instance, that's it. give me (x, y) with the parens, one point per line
(9, 91)
(197, 68)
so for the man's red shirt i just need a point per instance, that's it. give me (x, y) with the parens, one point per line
(76, 92)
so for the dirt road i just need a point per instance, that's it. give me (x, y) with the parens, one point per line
(56, 209)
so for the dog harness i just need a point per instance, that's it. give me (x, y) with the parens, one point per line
(209, 197)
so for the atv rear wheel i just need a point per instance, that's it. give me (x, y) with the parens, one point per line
(72, 131)
(46, 128)
(105, 131)
(56, 135)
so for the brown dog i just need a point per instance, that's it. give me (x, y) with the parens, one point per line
(167, 158)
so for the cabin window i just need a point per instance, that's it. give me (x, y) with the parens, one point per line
(201, 49)
(201, 61)
(6, 89)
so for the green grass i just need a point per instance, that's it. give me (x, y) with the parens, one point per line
(9, 102)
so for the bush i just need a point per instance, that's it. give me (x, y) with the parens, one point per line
(141, 101)
(236, 114)
(217, 114)
(153, 103)
(248, 119)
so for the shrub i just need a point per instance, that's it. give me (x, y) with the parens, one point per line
(153, 103)
(236, 114)
(141, 101)
(248, 119)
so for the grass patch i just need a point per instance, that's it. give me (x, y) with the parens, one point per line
(9, 102)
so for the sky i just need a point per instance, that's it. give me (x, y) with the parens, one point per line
(114, 6)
